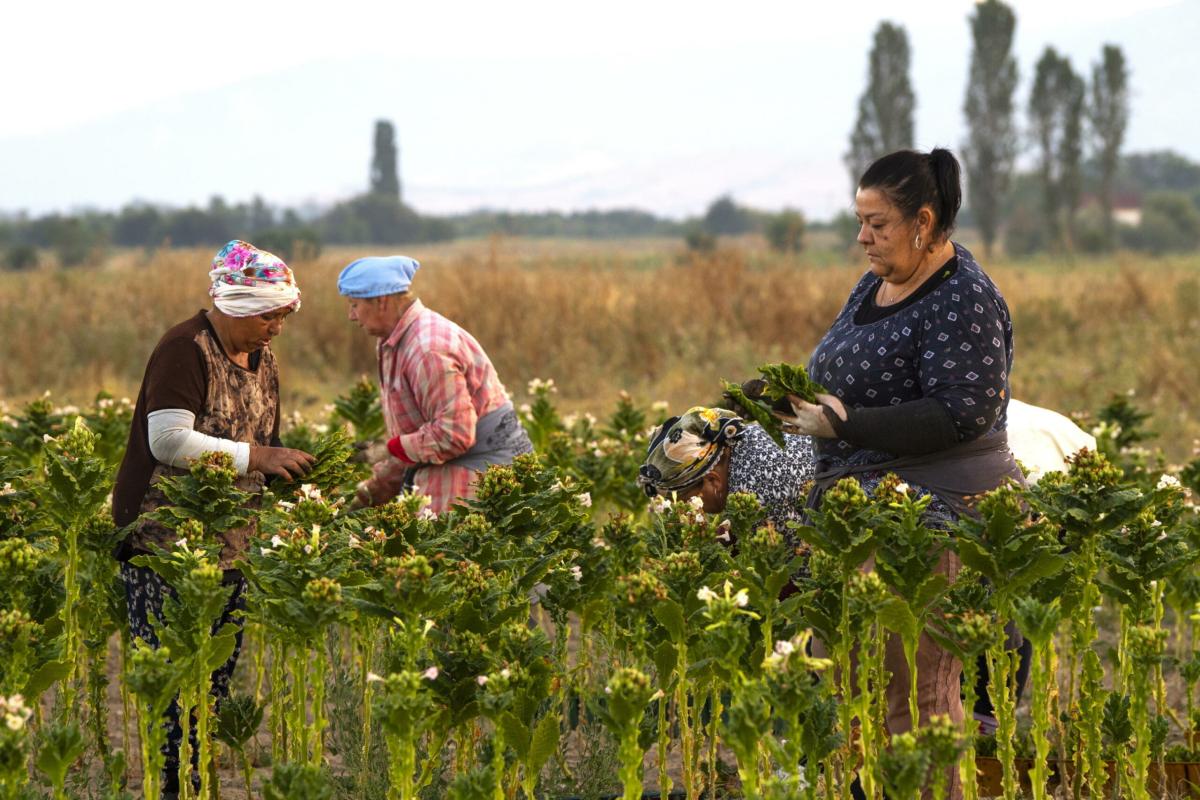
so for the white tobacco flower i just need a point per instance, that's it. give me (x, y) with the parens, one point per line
(585, 499)
(7, 489)
(577, 573)
(902, 488)
(481, 679)
(506, 673)
(706, 594)
(310, 491)
(525, 409)
(430, 674)
(696, 502)
(660, 504)
(784, 647)
(286, 505)
(1167, 482)
(373, 678)
(426, 513)
(598, 453)
(354, 541)
(47, 437)
(659, 406)
(277, 541)
(599, 543)
(308, 548)
(658, 695)
(590, 419)
(742, 598)
(14, 722)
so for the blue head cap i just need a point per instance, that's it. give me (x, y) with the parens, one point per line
(376, 276)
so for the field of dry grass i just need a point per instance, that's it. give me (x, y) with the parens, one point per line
(602, 317)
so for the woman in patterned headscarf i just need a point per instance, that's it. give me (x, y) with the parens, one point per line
(211, 385)
(710, 452)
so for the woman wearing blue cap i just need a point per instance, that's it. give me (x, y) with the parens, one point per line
(448, 416)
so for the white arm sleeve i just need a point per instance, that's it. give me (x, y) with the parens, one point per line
(174, 440)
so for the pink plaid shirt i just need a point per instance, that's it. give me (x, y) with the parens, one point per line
(435, 382)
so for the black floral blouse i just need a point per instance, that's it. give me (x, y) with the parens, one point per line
(776, 477)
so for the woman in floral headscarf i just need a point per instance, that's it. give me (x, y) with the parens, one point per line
(211, 384)
(710, 452)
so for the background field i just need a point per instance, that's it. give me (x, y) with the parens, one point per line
(602, 317)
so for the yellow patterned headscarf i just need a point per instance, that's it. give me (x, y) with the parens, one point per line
(683, 449)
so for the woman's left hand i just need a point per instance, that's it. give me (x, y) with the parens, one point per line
(809, 418)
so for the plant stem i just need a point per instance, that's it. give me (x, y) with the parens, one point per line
(1040, 709)
(247, 771)
(318, 709)
(365, 647)
(966, 765)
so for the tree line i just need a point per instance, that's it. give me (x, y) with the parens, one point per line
(1074, 128)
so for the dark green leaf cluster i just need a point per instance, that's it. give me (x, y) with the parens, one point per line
(361, 408)
(207, 493)
(334, 470)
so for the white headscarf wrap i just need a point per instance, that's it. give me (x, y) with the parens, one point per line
(247, 281)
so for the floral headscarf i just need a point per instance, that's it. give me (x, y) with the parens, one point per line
(247, 281)
(683, 449)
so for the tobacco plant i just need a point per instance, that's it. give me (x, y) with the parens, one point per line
(188, 631)
(73, 486)
(906, 557)
(622, 710)
(1014, 555)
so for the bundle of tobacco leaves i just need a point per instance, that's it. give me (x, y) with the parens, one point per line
(334, 469)
(760, 397)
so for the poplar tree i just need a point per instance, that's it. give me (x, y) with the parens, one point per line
(991, 145)
(385, 174)
(1056, 120)
(885, 109)
(1108, 115)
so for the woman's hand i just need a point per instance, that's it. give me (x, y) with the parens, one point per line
(809, 418)
(285, 462)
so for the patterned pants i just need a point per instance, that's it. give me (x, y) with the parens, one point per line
(144, 594)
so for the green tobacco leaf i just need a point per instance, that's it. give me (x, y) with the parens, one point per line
(670, 616)
(896, 616)
(757, 412)
(62, 745)
(48, 674)
(516, 735)
(544, 744)
(220, 648)
(666, 657)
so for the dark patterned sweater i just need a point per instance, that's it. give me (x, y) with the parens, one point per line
(954, 344)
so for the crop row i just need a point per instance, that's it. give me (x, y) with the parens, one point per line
(469, 654)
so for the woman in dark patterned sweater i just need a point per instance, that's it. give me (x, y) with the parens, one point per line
(917, 364)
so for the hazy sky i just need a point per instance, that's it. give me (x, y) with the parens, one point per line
(519, 104)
